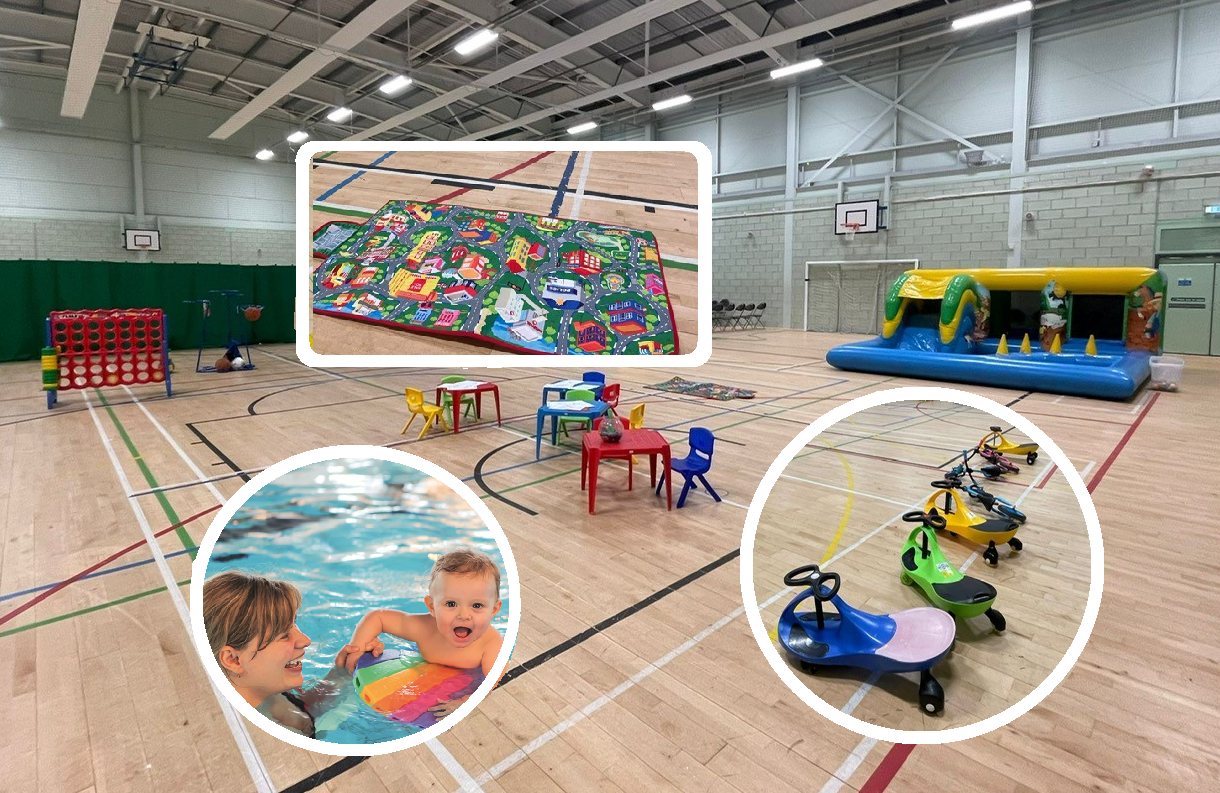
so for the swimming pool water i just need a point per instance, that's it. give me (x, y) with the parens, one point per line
(352, 535)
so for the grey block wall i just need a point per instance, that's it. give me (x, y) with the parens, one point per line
(27, 238)
(1073, 225)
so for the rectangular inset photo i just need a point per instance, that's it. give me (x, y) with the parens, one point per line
(503, 254)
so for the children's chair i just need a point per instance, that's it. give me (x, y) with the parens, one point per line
(635, 421)
(694, 465)
(418, 407)
(585, 422)
(593, 377)
(610, 394)
(468, 402)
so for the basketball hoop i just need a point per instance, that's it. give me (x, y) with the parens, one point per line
(850, 229)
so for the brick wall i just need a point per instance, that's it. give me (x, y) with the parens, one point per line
(1107, 226)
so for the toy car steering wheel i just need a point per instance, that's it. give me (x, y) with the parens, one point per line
(944, 484)
(809, 575)
(916, 516)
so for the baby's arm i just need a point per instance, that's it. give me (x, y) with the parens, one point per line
(492, 651)
(375, 623)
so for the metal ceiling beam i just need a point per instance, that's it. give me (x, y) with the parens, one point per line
(636, 16)
(347, 37)
(737, 22)
(94, 19)
(730, 53)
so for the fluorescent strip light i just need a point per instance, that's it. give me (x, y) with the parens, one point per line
(585, 127)
(265, 154)
(665, 104)
(298, 136)
(476, 41)
(983, 17)
(339, 114)
(796, 68)
(395, 85)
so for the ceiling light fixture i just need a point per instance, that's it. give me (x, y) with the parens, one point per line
(265, 154)
(476, 41)
(991, 15)
(395, 85)
(298, 136)
(585, 127)
(796, 68)
(665, 104)
(339, 114)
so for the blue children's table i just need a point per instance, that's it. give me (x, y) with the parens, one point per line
(563, 409)
(562, 387)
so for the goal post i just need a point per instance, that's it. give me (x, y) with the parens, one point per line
(853, 290)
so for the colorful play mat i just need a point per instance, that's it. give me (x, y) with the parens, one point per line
(706, 390)
(532, 284)
(402, 686)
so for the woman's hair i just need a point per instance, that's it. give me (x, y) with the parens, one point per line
(466, 561)
(239, 608)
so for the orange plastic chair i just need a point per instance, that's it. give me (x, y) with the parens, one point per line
(418, 407)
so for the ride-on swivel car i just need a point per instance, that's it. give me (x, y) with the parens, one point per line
(991, 503)
(996, 441)
(914, 640)
(959, 520)
(924, 565)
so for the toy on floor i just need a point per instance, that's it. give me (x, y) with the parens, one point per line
(232, 359)
(999, 464)
(991, 503)
(996, 441)
(914, 640)
(960, 521)
(924, 565)
(403, 686)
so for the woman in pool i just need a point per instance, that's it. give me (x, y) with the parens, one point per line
(251, 627)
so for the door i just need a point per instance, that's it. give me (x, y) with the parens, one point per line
(1189, 300)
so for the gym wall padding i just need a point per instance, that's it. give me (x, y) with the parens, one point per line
(37, 287)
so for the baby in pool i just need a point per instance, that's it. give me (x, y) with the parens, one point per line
(463, 597)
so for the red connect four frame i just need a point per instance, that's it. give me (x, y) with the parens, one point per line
(113, 347)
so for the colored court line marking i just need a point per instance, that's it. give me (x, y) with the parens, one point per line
(183, 536)
(90, 609)
(338, 210)
(884, 773)
(676, 265)
(580, 187)
(98, 574)
(851, 499)
(352, 178)
(563, 184)
(1105, 466)
(514, 169)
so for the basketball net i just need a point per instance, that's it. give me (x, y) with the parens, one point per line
(850, 229)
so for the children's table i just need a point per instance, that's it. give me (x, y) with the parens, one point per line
(564, 409)
(594, 448)
(458, 390)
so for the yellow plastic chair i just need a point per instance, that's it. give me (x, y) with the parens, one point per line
(635, 421)
(418, 407)
(577, 395)
(468, 403)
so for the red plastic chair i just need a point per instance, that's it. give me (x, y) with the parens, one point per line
(610, 394)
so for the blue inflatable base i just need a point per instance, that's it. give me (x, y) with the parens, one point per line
(1114, 373)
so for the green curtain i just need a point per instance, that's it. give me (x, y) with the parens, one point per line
(40, 287)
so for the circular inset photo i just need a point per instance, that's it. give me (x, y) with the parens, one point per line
(355, 600)
(924, 565)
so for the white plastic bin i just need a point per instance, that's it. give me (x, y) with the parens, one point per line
(1166, 372)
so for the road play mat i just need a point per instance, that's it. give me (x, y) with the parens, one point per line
(706, 390)
(532, 284)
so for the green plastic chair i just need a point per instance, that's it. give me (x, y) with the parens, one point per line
(586, 422)
(468, 402)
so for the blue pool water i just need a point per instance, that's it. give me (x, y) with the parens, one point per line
(352, 535)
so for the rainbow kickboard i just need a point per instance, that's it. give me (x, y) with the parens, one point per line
(402, 686)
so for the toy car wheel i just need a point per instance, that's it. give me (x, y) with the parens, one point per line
(906, 579)
(991, 556)
(1031, 458)
(931, 695)
(808, 668)
(1015, 544)
(997, 619)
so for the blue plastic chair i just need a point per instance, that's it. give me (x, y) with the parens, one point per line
(593, 377)
(694, 465)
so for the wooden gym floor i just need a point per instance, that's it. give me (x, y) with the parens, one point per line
(635, 668)
(654, 191)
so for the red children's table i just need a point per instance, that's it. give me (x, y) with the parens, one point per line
(594, 448)
(458, 390)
